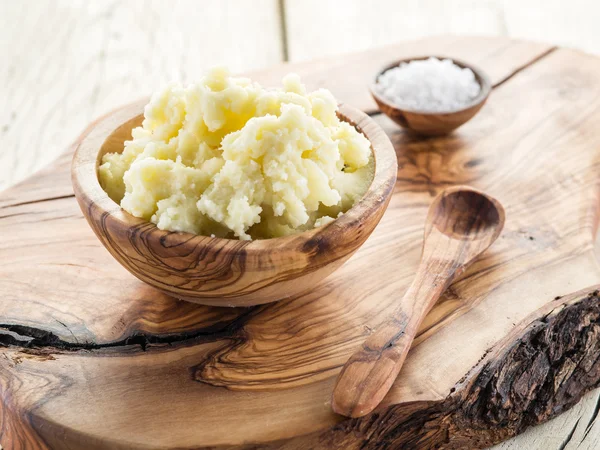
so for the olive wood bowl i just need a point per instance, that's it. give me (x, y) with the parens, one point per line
(429, 123)
(217, 271)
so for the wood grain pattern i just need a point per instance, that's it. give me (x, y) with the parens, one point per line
(16, 433)
(225, 272)
(429, 123)
(461, 224)
(75, 359)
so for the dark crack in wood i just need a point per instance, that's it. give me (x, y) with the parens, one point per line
(35, 338)
(564, 443)
(592, 420)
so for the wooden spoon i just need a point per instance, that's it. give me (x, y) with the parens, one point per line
(461, 224)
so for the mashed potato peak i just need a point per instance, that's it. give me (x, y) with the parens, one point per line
(226, 157)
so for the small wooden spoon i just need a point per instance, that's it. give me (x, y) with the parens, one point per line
(461, 224)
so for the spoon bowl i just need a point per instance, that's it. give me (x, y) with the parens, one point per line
(461, 213)
(461, 224)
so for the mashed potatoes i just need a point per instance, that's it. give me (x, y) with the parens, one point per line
(226, 157)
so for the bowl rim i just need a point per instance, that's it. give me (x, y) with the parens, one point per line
(482, 78)
(84, 174)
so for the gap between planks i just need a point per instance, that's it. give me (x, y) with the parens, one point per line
(283, 30)
(525, 66)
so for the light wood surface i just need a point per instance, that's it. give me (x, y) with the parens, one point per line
(461, 224)
(108, 364)
(225, 272)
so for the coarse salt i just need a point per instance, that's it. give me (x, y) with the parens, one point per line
(429, 85)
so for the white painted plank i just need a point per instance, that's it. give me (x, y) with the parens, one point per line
(66, 62)
(572, 23)
(348, 25)
(319, 28)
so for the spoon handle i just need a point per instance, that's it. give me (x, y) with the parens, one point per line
(370, 372)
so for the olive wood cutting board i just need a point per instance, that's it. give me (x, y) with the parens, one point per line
(92, 358)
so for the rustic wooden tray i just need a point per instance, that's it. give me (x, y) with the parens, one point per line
(92, 358)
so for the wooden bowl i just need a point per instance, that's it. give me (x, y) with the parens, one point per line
(224, 272)
(432, 123)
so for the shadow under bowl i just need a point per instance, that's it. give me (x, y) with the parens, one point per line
(217, 271)
(429, 123)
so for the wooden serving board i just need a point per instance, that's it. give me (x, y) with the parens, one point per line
(92, 358)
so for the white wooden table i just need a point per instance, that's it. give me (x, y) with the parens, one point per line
(65, 62)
